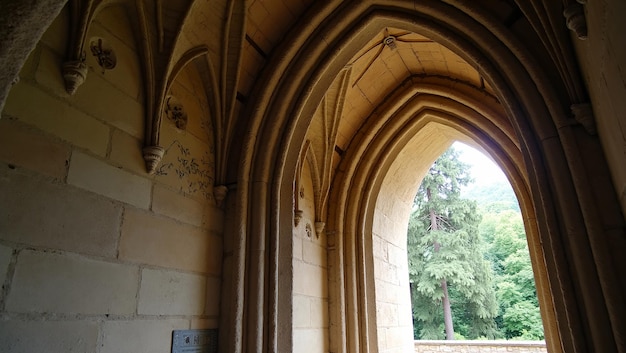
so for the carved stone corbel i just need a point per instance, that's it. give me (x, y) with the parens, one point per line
(319, 228)
(219, 194)
(74, 69)
(74, 74)
(152, 155)
(584, 115)
(575, 20)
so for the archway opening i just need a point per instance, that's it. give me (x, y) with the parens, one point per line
(469, 267)
(393, 209)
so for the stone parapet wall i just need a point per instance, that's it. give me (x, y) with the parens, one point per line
(480, 346)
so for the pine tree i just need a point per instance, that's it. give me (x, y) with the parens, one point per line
(447, 268)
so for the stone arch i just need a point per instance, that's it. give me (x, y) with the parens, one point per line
(550, 145)
(426, 105)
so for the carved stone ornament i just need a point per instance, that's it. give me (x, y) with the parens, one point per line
(584, 115)
(152, 155)
(176, 112)
(219, 193)
(297, 216)
(308, 230)
(575, 20)
(319, 228)
(104, 54)
(74, 74)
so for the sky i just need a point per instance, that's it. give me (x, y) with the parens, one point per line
(483, 169)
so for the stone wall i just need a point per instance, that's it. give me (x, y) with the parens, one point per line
(480, 346)
(96, 255)
(310, 276)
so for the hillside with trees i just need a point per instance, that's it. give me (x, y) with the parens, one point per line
(469, 266)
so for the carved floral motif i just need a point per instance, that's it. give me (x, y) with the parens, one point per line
(191, 175)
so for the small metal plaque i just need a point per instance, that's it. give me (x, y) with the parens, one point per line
(194, 341)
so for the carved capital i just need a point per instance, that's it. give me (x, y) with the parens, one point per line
(152, 155)
(74, 74)
(219, 193)
(575, 20)
(584, 115)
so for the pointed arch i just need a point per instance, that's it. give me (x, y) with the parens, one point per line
(569, 224)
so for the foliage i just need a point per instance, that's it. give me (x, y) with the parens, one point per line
(449, 251)
(482, 256)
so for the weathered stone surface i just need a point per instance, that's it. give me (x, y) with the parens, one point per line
(112, 106)
(171, 293)
(309, 280)
(70, 284)
(22, 146)
(18, 336)
(95, 175)
(57, 117)
(313, 253)
(150, 239)
(319, 312)
(213, 292)
(301, 311)
(140, 336)
(40, 213)
(5, 258)
(178, 206)
(126, 152)
(213, 219)
(201, 324)
(310, 340)
(22, 27)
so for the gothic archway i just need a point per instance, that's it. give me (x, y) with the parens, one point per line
(569, 225)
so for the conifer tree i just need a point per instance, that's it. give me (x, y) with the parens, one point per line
(447, 268)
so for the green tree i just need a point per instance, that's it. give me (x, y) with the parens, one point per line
(519, 316)
(446, 263)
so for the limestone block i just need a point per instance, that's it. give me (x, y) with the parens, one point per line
(310, 340)
(319, 313)
(115, 19)
(313, 253)
(213, 294)
(301, 311)
(397, 256)
(297, 248)
(111, 105)
(202, 324)
(213, 219)
(70, 284)
(126, 152)
(175, 205)
(171, 293)
(26, 148)
(379, 247)
(309, 280)
(56, 117)
(94, 175)
(150, 239)
(5, 258)
(386, 314)
(386, 272)
(39, 213)
(48, 73)
(48, 336)
(399, 337)
(140, 336)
